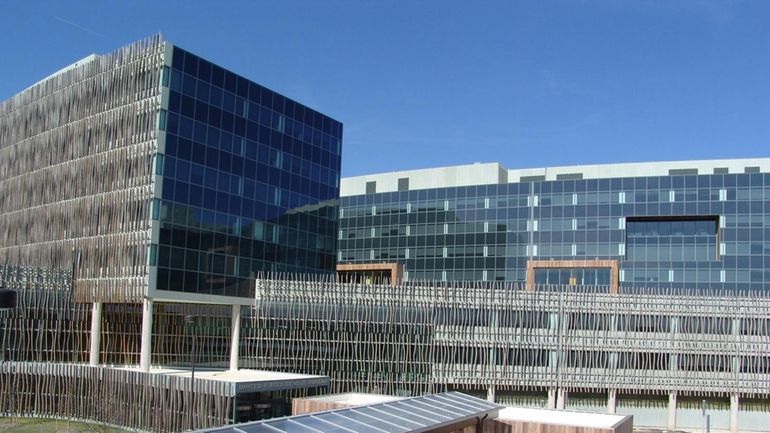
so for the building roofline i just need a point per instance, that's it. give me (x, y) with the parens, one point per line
(87, 59)
(495, 173)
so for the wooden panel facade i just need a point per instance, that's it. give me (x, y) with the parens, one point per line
(301, 406)
(415, 338)
(395, 270)
(612, 265)
(110, 396)
(76, 178)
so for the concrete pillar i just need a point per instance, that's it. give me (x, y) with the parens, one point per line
(734, 406)
(235, 337)
(491, 393)
(96, 333)
(612, 401)
(671, 424)
(561, 399)
(145, 354)
(551, 398)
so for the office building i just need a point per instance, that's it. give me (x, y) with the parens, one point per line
(141, 188)
(659, 274)
(144, 192)
(689, 224)
(656, 354)
(155, 173)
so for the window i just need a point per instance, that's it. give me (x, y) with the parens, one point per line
(686, 238)
(751, 170)
(532, 178)
(682, 171)
(696, 226)
(403, 184)
(371, 187)
(569, 176)
(573, 276)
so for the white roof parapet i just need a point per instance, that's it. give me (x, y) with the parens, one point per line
(599, 421)
(641, 169)
(243, 380)
(442, 177)
(495, 173)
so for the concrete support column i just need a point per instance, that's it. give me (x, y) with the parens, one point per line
(612, 401)
(235, 337)
(145, 354)
(551, 398)
(561, 399)
(491, 393)
(671, 424)
(734, 406)
(96, 333)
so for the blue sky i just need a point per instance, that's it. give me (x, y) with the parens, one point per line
(432, 83)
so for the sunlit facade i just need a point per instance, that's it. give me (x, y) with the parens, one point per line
(694, 224)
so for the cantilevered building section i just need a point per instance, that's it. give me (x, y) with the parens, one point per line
(146, 178)
(683, 224)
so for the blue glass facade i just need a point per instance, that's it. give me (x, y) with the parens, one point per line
(679, 231)
(250, 182)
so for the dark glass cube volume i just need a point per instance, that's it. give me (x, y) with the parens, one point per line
(250, 183)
